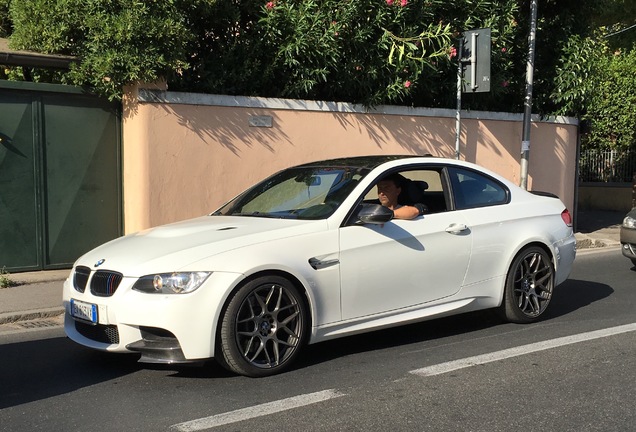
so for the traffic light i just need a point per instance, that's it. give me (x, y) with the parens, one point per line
(475, 60)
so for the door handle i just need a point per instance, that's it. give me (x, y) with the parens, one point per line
(456, 228)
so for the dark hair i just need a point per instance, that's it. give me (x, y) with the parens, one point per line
(397, 179)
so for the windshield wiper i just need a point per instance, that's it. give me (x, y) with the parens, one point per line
(276, 215)
(256, 214)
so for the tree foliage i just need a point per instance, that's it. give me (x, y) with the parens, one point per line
(117, 41)
(618, 18)
(362, 51)
(611, 110)
(5, 21)
(594, 78)
(331, 50)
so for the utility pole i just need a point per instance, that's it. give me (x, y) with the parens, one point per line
(458, 115)
(527, 111)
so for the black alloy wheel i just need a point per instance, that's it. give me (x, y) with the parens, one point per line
(263, 327)
(529, 286)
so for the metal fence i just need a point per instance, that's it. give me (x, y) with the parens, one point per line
(607, 166)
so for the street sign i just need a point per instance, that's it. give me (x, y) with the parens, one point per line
(475, 61)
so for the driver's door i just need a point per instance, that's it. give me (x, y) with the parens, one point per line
(402, 263)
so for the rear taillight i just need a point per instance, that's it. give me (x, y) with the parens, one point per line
(567, 217)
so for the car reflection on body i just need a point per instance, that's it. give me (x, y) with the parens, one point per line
(309, 255)
(628, 236)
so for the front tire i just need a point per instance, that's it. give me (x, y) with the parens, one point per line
(263, 327)
(529, 286)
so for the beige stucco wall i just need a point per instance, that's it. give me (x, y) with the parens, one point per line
(185, 154)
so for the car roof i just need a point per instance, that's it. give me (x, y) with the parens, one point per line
(369, 162)
(373, 161)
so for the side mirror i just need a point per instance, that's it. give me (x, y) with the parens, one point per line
(374, 214)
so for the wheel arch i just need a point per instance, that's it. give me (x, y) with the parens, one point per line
(518, 252)
(543, 246)
(270, 272)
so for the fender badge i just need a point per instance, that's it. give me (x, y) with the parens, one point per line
(100, 262)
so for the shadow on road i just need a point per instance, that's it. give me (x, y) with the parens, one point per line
(593, 220)
(575, 294)
(40, 369)
(569, 297)
(44, 368)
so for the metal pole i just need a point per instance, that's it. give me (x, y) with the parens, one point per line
(458, 116)
(527, 111)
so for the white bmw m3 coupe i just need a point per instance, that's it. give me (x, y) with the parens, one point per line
(314, 253)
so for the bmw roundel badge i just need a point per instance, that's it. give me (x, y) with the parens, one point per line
(100, 262)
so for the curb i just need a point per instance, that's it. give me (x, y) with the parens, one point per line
(13, 317)
(588, 242)
(39, 277)
(603, 248)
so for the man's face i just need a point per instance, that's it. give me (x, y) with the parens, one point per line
(388, 192)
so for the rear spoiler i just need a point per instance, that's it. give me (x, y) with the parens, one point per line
(545, 194)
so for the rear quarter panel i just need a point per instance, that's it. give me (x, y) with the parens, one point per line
(500, 232)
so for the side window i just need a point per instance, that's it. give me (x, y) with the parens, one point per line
(421, 186)
(472, 189)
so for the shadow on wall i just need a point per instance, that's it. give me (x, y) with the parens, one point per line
(414, 135)
(238, 129)
(227, 143)
(302, 131)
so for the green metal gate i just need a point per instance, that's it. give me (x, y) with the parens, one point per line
(60, 176)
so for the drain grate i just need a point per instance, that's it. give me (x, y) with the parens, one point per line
(38, 324)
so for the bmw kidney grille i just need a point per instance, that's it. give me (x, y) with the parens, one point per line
(80, 278)
(104, 283)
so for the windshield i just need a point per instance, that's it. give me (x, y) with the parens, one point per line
(311, 192)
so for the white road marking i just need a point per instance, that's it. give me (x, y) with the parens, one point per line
(443, 368)
(312, 398)
(256, 411)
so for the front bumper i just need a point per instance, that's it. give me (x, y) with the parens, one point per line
(174, 327)
(628, 242)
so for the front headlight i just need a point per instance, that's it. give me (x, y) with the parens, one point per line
(171, 283)
(629, 222)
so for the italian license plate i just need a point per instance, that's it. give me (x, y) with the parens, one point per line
(84, 311)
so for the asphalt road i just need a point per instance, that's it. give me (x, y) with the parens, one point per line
(573, 371)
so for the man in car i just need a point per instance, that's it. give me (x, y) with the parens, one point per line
(389, 189)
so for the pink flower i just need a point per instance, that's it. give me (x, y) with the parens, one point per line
(505, 83)
(404, 2)
(407, 84)
(504, 49)
(452, 52)
(270, 5)
(389, 2)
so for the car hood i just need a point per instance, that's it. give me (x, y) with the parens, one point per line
(173, 247)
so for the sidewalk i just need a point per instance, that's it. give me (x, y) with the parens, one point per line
(595, 228)
(39, 294)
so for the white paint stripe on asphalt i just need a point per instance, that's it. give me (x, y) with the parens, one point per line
(256, 411)
(443, 368)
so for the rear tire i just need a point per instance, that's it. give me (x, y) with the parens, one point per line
(263, 327)
(529, 286)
